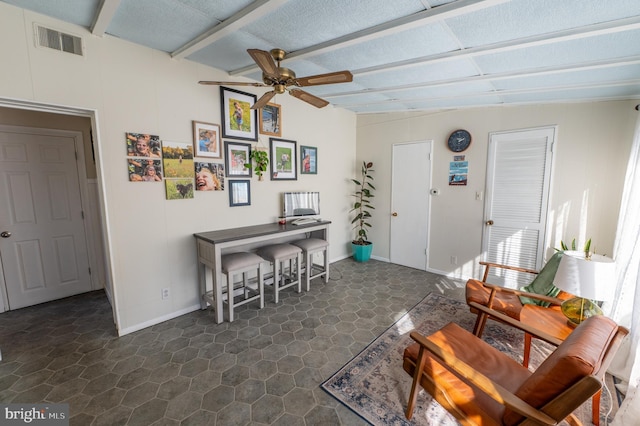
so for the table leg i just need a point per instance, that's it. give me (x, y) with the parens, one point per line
(217, 284)
(202, 283)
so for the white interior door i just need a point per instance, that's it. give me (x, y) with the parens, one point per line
(43, 246)
(410, 184)
(517, 201)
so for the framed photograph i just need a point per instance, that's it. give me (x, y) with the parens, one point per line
(236, 156)
(206, 140)
(270, 118)
(238, 119)
(308, 160)
(283, 159)
(239, 193)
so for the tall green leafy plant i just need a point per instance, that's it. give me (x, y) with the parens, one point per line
(362, 205)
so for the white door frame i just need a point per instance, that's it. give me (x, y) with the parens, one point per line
(427, 218)
(546, 202)
(78, 142)
(92, 114)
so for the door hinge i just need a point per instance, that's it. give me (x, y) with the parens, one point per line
(76, 154)
(89, 271)
(82, 214)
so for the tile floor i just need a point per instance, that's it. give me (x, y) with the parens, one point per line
(265, 368)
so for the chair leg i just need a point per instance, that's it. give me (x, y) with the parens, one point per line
(481, 320)
(261, 285)
(527, 350)
(595, 408)
(415, 384)
(308, 269)
(298, 269)
(230, 295)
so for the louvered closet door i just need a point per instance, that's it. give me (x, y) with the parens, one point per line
(518, 179)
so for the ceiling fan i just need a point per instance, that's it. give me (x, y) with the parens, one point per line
(281, 79)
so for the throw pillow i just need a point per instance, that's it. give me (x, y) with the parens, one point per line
(543, 282)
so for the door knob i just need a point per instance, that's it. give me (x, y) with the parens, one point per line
(5, 234)
(394, 214)
(489, 222)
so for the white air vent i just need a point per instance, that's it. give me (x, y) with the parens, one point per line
(53, 39)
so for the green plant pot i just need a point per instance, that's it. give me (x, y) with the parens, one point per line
(362, 253)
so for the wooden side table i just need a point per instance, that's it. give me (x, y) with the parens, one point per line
(553, 322)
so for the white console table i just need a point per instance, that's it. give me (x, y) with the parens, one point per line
(211, 245)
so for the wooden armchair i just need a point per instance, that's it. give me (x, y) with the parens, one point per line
(504, 300)
(544, 323)
(507, 301)
(480, 385)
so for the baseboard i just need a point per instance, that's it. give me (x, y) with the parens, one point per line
(158, 320)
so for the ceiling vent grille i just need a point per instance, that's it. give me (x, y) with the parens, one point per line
(53, 39)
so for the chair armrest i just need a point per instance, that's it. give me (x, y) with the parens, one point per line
(469, 375)
(539, 334)
(489, 265)
(495, 288)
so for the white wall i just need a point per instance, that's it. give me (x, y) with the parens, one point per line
(135, 89)
(591, 155)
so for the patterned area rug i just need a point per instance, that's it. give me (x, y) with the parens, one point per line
(374, 385)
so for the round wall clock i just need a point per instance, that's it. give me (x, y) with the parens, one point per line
(459, 140)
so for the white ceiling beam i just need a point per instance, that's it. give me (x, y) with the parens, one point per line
(249, 14)
(104, 15)
(449, 10)
(494, 93)
(604, 28)
(530, 72)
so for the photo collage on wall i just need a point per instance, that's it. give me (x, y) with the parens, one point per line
(207, 143)
(177, 159)
(144, 162)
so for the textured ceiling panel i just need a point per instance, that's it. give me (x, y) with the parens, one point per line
(160, 24)
(230, 52)
(549, 50)
(457, 102)
(617, 92)
(443, 91)
(79, 12)
(521, 18)
(601, 76)
(617, 45)
(302, 23)
(418, 74)
(405, 45)
(360, 99)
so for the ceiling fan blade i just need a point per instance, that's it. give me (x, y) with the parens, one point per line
(309, 98)
(231, 83)
(264, 99)
(265, 61)
(330, 78)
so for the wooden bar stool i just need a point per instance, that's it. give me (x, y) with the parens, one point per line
(243, 262)
(309, 247)
(278, 254)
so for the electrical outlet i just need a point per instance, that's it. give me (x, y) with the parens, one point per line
(165, 293)
(454, 260)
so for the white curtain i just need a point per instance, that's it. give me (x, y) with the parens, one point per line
(626, 309)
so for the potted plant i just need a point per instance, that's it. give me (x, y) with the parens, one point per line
(261, 160)
(364, 192)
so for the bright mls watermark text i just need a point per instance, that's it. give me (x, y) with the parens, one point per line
(34, 414)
